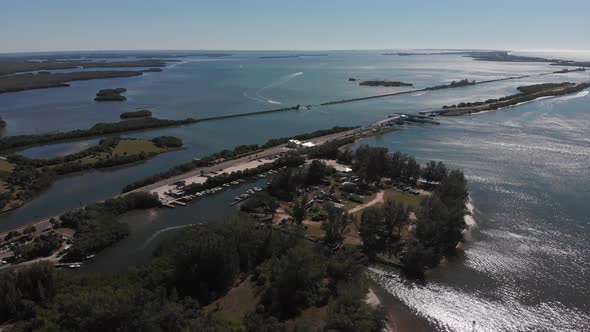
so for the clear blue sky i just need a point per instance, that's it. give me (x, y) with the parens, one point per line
(50, 25)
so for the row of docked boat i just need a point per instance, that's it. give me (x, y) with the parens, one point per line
(179, 196)
(265, 174)
(247, 194)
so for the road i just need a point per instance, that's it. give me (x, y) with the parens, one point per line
(246, 159)
(45, 222)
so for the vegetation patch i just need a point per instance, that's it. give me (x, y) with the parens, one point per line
(238, 302)
(8, 67)
(188, 287)
(99, 129)
(24, 177)
(111, 95)
(136, 114)
(453, 84)
(6, 167)
(43, 80)
(384, 83)
(97, 226)
(526, 93)
(409, 200)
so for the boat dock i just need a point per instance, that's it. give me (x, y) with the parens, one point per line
(418, 118)
(71, 265)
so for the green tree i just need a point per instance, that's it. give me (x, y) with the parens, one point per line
(414, 260)
(373, 231)
(429, 171)
(272, 206)
(350, 313)
(370, 163)
(396, 165)
(11, 235)
(440, 171)
(316, 172)
(207, 267)
(395, 217)
(296, 282)
(411, 171)
(299, 210)
(259, 322)
(21, 290)
(335, 225)
(29, 229)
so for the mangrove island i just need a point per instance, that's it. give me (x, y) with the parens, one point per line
(384, 83)
(111, 95)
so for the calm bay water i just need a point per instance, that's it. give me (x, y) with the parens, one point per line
(526, 263)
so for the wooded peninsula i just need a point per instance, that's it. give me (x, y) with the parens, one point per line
(526, 93)
(21, 178)
(252, 272)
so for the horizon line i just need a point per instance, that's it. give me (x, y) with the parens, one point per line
(303, 50)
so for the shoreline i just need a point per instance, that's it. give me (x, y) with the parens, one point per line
(520, 98)
(399, 319)
(195, 172)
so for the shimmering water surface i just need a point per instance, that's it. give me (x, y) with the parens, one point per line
(526, 264)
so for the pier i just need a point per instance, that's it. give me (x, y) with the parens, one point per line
(229, 116)
(68, 265)
(422, 90)
(418, 118)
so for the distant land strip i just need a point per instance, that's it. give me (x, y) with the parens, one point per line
(290, 56)
(45, 80)
(499, 56)
(8, 67)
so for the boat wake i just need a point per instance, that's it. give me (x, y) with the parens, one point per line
(577, 95)
(258, 96)
(156, 234)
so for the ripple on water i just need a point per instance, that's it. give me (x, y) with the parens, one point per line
(527, 267)
(452, 309)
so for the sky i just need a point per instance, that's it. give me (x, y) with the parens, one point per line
(69, 25)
